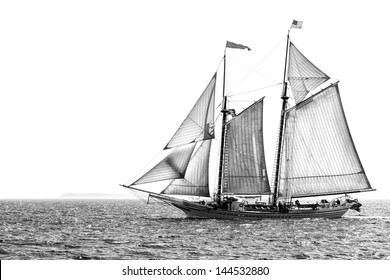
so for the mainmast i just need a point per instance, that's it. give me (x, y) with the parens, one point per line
(284, 97)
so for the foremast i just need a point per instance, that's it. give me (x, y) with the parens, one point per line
(223, 133)
(225, 112)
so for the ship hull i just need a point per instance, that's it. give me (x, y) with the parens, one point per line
(195, 210)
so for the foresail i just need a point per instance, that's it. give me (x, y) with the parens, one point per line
(199, 123)
(318, 155)
(244, 153)
(196, 179)
(303, 75)
(173, 166)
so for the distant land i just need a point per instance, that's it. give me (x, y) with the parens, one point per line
(94, 196)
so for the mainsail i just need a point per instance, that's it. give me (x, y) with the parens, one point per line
(319, 156)
(244, 161)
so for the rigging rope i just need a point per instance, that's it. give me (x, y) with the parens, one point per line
(254, 68)
(239, 106)
(219, 65)
(138, 195)
(244, 92)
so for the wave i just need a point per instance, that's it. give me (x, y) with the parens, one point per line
(368, 217)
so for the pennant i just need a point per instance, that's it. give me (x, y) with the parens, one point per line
(296, 24)
(236, 46)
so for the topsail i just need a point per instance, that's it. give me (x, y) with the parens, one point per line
(303, 75)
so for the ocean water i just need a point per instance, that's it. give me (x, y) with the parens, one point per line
(130, 229)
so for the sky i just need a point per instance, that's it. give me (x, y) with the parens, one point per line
(91, 91)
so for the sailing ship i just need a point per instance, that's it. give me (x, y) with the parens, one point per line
(315, 153)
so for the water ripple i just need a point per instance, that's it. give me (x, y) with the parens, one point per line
(83, 230)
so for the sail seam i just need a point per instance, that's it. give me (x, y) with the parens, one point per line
(322, 176)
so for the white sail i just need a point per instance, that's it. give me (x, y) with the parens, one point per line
(303, 75)
(244, 153)
(173, 166)
(318, 155)
(196, 179)
(199, 123)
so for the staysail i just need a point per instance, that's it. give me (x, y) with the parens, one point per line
(196, 179)
(318, 155)
(188, 151)
(245, 171)
(173, 166)
(199, 123)
(303, 75)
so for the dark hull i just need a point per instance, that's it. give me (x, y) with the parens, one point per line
(196, 210)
